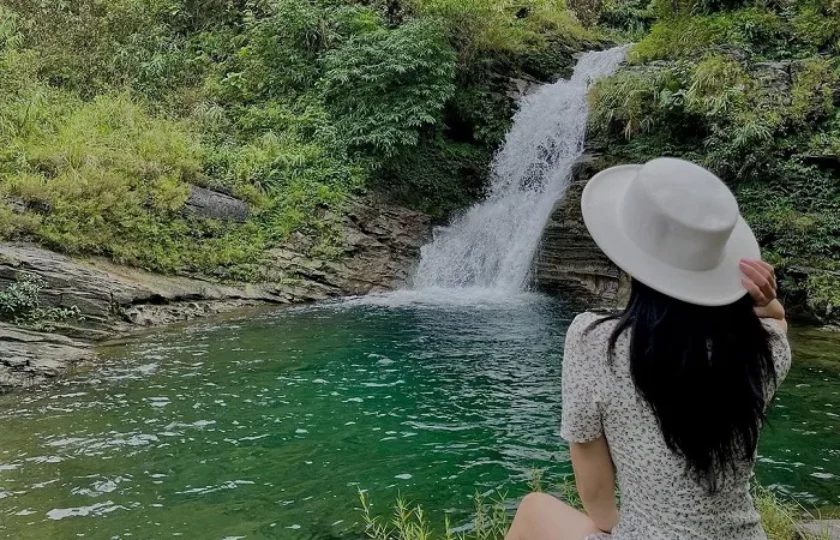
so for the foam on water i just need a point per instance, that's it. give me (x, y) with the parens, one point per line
(492, 245)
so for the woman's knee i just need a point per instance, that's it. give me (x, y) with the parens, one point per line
(533, 509)
(537, 502)
(543, 517)
(523, 521)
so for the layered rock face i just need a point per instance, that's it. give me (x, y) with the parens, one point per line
(381, 245)
(29, 358)
(569, 263)
(378, 248)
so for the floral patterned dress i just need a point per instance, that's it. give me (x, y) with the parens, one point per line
(658, 500)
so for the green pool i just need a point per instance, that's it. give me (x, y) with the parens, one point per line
(268, 424)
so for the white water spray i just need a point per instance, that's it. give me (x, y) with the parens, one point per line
(493, 244)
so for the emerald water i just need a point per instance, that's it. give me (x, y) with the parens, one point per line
(266, 425)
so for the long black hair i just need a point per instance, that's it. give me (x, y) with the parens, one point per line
(704, 371)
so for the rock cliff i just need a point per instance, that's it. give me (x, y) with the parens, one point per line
(569, 263)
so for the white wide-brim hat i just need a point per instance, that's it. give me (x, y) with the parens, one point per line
(673, 226)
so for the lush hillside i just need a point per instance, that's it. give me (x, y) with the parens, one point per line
(111, 109)
(751, 90)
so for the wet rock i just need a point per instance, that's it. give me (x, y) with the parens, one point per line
(30, 358)
(15, 204)
(148, 315)
(569, 263)
(733, 51)
(378, 249)
(106, 293)
(215, 205)
(68, 283)
(19, 205)
(522, 86)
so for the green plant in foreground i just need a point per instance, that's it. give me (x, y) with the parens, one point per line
(408, 522)
(20, 304)
(492, 519)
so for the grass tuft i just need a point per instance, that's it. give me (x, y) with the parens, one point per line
(492, 518)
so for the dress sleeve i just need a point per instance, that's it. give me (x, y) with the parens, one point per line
(780, 349)
(581, 380)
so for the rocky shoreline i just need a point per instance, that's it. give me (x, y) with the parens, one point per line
(380, 245)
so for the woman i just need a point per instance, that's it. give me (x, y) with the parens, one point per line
(669, 396)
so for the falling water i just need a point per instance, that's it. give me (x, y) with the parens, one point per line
(492, 245)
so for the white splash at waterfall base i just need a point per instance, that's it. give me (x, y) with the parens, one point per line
(491, 246)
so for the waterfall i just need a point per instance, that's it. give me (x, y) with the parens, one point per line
(492, 245)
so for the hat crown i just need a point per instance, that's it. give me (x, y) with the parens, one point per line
(679, 213)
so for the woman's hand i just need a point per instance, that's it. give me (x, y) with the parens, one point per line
(760, 280)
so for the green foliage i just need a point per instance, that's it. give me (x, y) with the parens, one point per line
(779, 518)
(480, 27)
(387, 85)
(696, 36)
(483, 109)
(718, 86)
(823, 293)
(756, 31)
(20, 303)
(95, 45)
(277, 55)
(109, 178)
(633, 18)
(815, 25)
(812, 94)
(422, 178)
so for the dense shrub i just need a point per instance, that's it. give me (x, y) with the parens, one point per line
(423, 177)
(480, 27)
(107, 177)
(92, 46)
(383, 87)
(630, 17)
(798, 30)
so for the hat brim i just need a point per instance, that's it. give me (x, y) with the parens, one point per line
(716, 287)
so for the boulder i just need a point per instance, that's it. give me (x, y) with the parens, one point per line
(19, 205)
(519, 87)
(67, 282)
(106, 294)
(215, 205)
